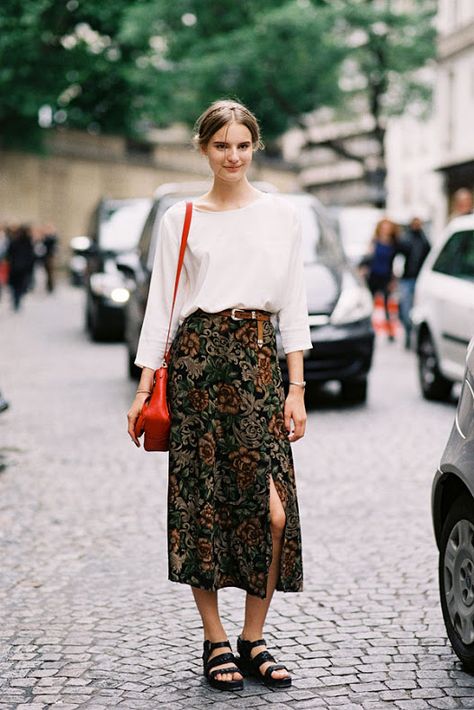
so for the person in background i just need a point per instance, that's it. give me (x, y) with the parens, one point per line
(21, 259)
(378, 265)
(3, 261)
(415, 248)
(462, 203)
(49, 243)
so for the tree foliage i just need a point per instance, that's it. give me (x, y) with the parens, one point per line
(122, 67)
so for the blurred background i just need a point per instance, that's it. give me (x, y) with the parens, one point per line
(361, 103)
(366, 109)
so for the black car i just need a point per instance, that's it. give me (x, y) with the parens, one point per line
(339, 304)
(117, 225)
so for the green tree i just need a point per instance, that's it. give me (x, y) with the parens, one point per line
(122, 67)
(278, 57)
(66, 56)
(386, 48)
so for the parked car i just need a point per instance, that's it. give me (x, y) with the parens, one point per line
(119, 224)
(340, 306)
(443, 312)
(453, 522)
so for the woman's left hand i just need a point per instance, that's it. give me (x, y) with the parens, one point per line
(295, 412)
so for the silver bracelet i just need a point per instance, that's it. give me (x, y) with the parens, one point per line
(143, 392)
(298, 384)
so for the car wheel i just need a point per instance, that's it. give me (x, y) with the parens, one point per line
(434, 386)
(354, 390)
(456, 578)
(134, 372)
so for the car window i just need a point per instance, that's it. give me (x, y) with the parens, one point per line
(320, 241)
(122, 225)
(457, 256)
(145, 238)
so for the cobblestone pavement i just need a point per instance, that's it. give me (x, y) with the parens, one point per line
(90, 620)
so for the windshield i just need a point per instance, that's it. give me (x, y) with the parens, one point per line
(320, 242)
(122, 225)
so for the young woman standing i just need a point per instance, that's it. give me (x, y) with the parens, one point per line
(232, 507)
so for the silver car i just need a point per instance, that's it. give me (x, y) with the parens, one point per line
(453, 520)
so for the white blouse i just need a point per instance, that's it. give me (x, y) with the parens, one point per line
(248, 257)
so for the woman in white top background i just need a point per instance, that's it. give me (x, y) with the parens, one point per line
(232, 507)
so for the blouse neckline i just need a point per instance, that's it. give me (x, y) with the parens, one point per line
(235, 209)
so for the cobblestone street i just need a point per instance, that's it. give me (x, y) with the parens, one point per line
(89, 618)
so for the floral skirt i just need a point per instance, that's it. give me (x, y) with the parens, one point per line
(227, 439)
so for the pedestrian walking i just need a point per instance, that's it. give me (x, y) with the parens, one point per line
(21, 258)
(415, 248)
(232, 506)
(49, 242)
(379, 265)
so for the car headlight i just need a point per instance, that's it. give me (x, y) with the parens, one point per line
(354, 304)
(465, 410)
(108, 286)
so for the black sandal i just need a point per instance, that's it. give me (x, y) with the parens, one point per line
(218, 660)
(251, 666)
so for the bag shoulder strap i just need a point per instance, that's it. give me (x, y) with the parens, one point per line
(184, 239)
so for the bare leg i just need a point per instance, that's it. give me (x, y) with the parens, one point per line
(207, 604)
(255, 608)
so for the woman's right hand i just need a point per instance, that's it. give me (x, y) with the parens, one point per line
(133, 413)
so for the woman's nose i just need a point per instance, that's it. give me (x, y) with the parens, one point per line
(232, 155)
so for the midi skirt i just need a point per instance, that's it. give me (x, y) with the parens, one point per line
(227, 440)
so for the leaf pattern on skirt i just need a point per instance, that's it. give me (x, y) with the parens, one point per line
(227, 439)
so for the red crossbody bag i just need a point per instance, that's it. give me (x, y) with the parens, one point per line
(154, 419)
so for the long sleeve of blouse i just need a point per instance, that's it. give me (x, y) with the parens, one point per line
(244, 258)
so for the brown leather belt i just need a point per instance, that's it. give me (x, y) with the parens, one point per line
(244, 314)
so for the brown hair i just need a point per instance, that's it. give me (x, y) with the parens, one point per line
(394, 232)
(221, 113)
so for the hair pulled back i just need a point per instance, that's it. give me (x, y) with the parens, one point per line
(219, 114)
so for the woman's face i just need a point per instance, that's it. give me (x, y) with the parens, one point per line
(230, 152)
(385, 231)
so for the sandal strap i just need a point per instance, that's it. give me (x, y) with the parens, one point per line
(217, 644)
(253, 644)
(262, 657)
(220, 660)
(231, 669)
(275, 667)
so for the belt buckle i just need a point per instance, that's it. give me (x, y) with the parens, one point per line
(233, 316)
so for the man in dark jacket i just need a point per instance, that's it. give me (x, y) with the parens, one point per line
(415, 247)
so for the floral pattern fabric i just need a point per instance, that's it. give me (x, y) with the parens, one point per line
(227, 439)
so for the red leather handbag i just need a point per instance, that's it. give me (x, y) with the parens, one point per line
(154, 419)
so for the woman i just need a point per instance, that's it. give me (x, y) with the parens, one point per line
(232, 507)
(383, 249)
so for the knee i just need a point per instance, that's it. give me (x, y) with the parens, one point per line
(277, 523)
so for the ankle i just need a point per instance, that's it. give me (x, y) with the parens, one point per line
(251, 634)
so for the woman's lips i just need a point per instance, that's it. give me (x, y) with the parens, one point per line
(232, 167)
